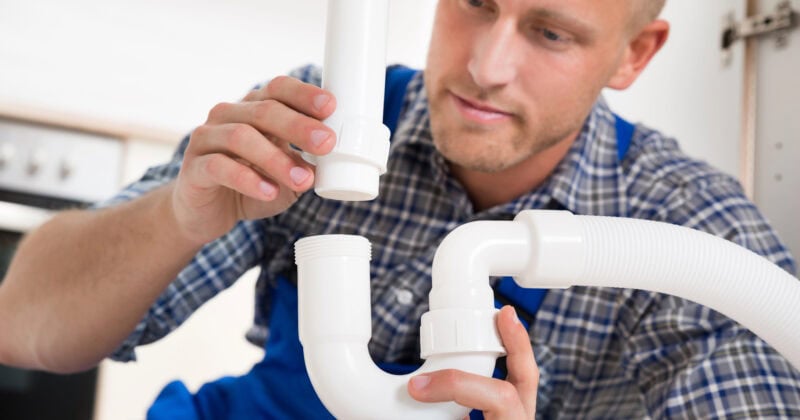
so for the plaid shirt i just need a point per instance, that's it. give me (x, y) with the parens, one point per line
(602, 352)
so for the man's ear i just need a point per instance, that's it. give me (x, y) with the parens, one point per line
(638, 53)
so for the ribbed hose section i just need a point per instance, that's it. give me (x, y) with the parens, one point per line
(697, 266)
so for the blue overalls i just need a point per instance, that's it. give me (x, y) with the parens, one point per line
(278, 387)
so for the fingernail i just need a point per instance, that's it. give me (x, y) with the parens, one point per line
(420, 381)
(516, 317)
(268, 189)
(319, 136)
(298, 175)
(320, 101)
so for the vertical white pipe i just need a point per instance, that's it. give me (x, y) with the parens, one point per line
(354, 71)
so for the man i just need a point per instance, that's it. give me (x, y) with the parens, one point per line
(506, 117)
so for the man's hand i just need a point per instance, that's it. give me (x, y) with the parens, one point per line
(514, 398)
(239, 165)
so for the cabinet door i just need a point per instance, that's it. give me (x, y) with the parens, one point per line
(777, 150)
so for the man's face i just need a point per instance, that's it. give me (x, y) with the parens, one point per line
(507, 79)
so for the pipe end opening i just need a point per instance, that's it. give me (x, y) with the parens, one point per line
(325, 246)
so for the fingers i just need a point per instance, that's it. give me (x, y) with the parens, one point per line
(289, 109)
(303, 97)
(285, 109)
(248, 144)
(523, 372)
(513, 398)
(220, 169)
(241, 157)
(492, 396)
(277, 120)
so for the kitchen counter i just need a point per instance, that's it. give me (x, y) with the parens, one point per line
(64, 119)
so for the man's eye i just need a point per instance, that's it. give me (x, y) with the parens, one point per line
(476, 3)
(550, 35)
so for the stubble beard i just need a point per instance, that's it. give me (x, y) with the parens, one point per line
(487, 150)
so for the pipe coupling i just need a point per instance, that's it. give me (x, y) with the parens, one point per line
(350, 172)
(456, 330)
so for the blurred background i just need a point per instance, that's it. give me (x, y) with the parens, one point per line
(133, 77)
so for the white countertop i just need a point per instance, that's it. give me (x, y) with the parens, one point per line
(69, 120)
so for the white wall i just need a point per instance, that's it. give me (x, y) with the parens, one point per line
(166, 63)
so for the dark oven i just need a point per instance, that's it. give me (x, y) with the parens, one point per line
(42, 170)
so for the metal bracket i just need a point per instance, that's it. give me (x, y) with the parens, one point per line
(777, 24)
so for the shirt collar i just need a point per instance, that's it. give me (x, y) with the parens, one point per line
(590, 180)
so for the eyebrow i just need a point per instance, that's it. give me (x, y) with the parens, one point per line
(564, 19)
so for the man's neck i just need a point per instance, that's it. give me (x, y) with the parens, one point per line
(488, 189)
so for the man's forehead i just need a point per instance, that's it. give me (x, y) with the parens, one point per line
(571, 9)
(563, 17)
(587, 15)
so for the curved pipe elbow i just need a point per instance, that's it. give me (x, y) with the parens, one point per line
(458, 332)
(469, 255)
(335, 328)
(352, 387)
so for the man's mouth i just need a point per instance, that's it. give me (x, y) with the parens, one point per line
(479, 112)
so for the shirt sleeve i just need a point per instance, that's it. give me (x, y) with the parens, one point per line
(692, 362)
(216, 267)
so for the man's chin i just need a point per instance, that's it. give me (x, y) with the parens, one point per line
(486, 162)
(474, 151)
(485, 167)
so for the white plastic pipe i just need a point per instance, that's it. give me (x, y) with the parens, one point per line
(335, 327)
(354, 71)
(540, 249)
(600, 251)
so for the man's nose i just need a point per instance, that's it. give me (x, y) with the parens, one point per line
(494, 60)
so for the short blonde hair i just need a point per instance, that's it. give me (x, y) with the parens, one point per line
(651, 9)
(646, 11)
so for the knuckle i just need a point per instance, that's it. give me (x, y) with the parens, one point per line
(236, 137)
(198, 134)
(251, 95)
(218, 110)
(257, 93)
(301, 128)
(275, 161)
(507, 394)
(212, 165)
(535, 380)
(242, 177)
(264, 109)
(275, 85)
(449, 377)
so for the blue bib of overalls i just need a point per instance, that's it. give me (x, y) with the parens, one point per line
(278, 387)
